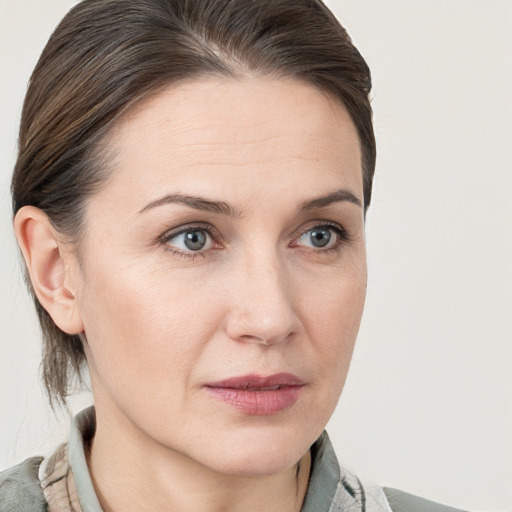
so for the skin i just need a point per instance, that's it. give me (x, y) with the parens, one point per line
(161, 321)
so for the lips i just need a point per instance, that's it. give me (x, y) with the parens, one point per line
(257, 395)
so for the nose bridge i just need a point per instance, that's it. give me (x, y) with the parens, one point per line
(262, 309)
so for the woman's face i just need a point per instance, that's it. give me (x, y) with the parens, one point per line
(223, 275)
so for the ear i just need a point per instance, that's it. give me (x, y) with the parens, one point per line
(49, 264)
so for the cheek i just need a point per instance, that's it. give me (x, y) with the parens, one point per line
(332, 316)
(333, 302)
(141, 323)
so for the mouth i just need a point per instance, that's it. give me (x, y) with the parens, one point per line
(257, 395)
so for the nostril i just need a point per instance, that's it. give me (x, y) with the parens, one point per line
(248, 337)
(261, 339)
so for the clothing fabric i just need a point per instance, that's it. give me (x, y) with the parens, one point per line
(67, 484)
(20, 489)
(62, 482)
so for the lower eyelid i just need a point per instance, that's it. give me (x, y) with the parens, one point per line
(185, 255)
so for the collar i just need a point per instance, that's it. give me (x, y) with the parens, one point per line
(83, 427)
(331, 488)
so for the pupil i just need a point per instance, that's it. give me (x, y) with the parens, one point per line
(320, 237)
(195, 240)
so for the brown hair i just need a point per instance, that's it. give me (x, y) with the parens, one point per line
(107, 54)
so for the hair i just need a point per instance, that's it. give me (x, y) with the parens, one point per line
(106, 55)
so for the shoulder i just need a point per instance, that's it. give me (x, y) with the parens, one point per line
(400, 501)
(20, 489)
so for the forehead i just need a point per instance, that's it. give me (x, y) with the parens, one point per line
(197, 133)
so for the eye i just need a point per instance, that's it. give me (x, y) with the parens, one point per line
(322, 237)
(317, 237)
(189, 240)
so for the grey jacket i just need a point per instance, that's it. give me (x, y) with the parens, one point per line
(20, 491)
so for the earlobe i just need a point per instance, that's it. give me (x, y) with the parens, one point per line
(48, 266)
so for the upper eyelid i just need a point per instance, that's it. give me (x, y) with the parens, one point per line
(320, 223)
(173, 232)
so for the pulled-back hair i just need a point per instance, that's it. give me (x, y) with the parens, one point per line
(105, 55)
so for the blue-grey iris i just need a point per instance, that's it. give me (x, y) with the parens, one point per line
(320, 237)
(195, 240)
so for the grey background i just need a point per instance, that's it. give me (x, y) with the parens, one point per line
(428, 403)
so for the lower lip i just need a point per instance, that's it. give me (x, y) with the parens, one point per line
(258, 403)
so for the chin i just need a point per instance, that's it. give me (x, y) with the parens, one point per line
(257, 453)
(256, 464)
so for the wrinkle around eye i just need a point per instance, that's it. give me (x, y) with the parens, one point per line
(339, 238)
(180, 239)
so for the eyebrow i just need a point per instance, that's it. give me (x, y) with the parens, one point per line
(337, 196)
(223, 208)
(198, 203)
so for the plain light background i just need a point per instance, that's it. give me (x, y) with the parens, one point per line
(428, 403)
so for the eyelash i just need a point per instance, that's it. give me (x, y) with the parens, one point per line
(169, 235)
(342, 238)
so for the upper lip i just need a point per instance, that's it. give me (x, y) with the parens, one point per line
(258, 382)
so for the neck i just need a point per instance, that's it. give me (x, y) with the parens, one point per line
(134, 473)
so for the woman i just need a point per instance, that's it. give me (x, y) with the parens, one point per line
(189, 198)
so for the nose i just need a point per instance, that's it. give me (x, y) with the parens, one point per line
(261, 306)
